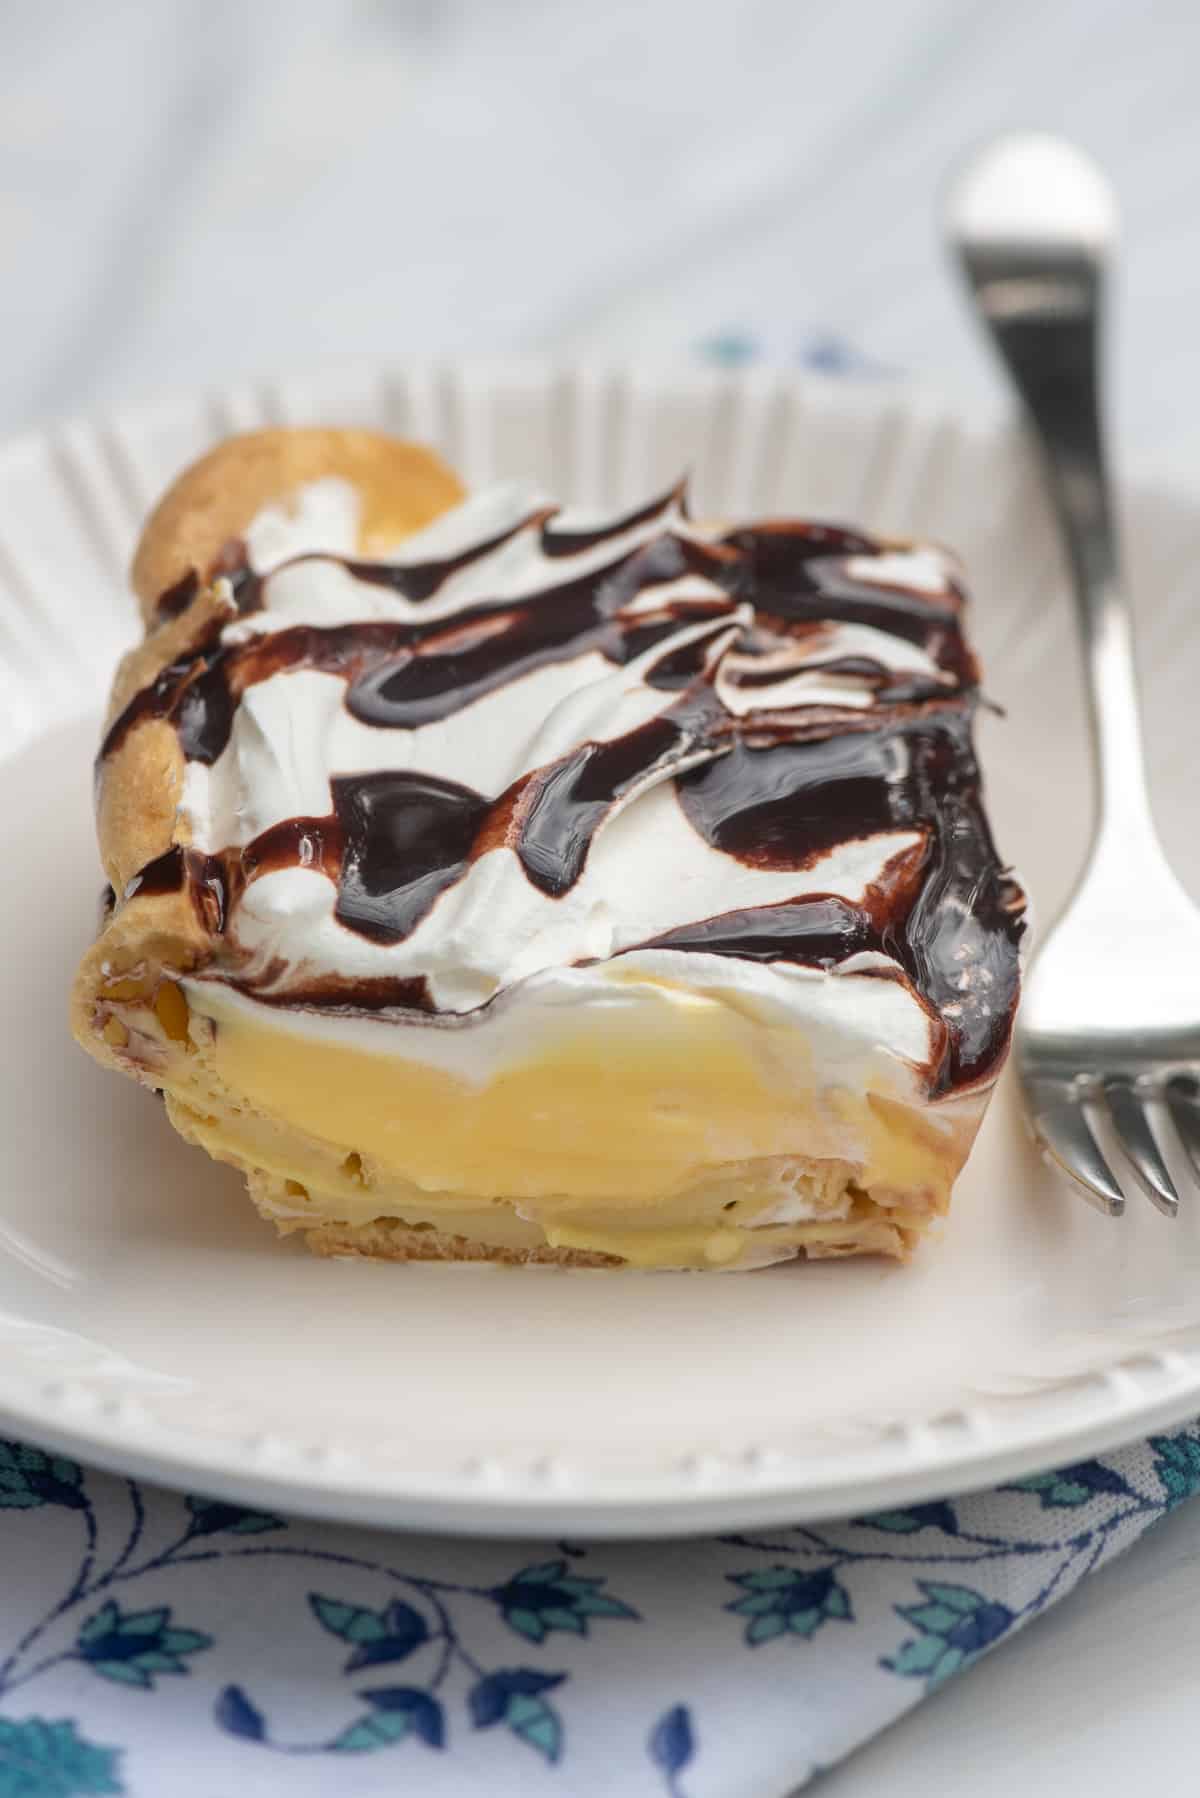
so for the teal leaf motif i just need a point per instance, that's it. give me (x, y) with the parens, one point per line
(955, 1624)
(788, 1601)
(765, 1579)
(962, 1600)
(396, 1712)
(370, 1733)
(1068, 1487)
(212, 1517)
(353, 1623)
(377, 1638)
(1177, 1465)
(543, 1598)
(937, 1516)
(526, 1623)
(919, 1656)
(535, 1722)
(404, 1631)
(422, 1711)
(514, 1697)
(29, 1478)
(40, 1759)
(938, 1619)
(132, 1647)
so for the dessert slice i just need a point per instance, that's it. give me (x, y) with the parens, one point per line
(490, 882)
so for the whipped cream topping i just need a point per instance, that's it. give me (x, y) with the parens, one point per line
(535, 758)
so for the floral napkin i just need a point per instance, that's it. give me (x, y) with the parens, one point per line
(158, 1645)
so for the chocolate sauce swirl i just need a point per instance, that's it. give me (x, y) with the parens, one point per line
(956, 935)
(776, 785)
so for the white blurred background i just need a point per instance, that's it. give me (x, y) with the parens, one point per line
(191, 189)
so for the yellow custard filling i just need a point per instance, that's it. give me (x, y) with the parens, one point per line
(701, 1142)
(590, 1116)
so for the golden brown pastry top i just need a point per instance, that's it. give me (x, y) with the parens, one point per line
(402, 486)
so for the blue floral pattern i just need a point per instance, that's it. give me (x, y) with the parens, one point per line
(28, 1478)
(1177, 1465)
(543, 1598)
(955, 1624)
(1071, 1486)
(49, 1760)
(133, 1647)
(787, 1600)
(415, 1663)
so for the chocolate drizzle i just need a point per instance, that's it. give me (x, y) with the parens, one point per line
(406, 837)
(818, 931)
(206, 877)
(568, 803)
(775, 786)
(193, 693)
(955, 934)
(801, 574)
(403, 675)
(557, 542)
(233, 564)
(781, 805)
(421, 580)
(176, 600)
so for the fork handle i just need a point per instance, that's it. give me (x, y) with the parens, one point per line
(1043, 309)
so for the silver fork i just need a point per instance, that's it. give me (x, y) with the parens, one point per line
(1111, 1014)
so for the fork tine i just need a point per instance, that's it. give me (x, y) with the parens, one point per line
(1062, 1127)
(1183, 1103)
(1132, 1126)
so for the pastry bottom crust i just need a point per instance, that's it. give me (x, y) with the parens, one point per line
(867, 1230)
(390, 1239)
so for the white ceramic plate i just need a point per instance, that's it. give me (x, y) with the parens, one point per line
(150, 1323)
